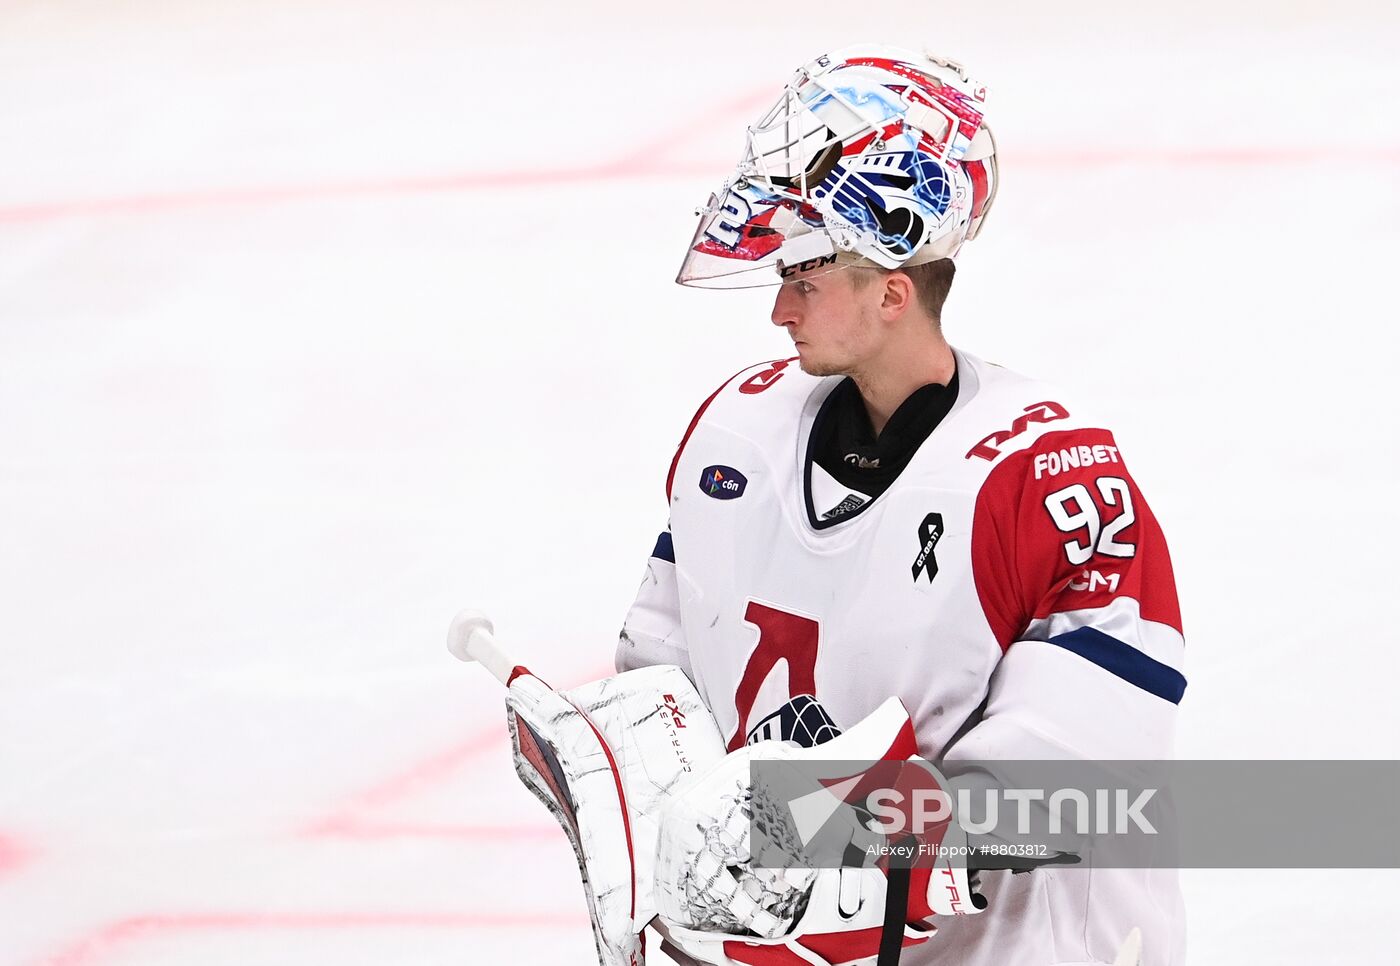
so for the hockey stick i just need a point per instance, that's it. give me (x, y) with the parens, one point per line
(564, 759)
(472, 638)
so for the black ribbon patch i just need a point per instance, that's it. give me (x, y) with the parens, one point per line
(929, 533)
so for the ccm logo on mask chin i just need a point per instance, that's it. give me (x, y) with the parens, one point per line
(722, 482)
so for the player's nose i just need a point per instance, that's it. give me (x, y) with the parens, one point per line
(784, 308)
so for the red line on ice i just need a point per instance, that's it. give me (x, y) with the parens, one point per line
(649, 160)
(12, 855)
(428, 771)
(627, 168)
(743, 105)
(643, 161)
(104, 938)
(346, 820)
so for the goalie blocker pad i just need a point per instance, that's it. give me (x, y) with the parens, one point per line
(602, 757)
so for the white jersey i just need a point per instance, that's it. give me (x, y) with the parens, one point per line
(1011, 587)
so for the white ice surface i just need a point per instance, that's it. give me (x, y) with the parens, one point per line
(319, 321)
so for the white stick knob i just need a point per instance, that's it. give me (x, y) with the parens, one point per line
(472, 638)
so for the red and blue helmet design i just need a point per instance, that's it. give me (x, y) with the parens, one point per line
(871, 155)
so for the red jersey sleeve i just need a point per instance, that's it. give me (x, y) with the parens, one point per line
(1066, 550)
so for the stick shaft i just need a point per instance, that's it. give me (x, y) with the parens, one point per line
(472, 638)
(483, 648)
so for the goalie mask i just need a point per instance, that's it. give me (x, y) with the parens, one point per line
(872, 155)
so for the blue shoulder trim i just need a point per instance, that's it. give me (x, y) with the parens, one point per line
(664, 549)
(1124, 661)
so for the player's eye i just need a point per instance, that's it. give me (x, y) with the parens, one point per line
(806, 288)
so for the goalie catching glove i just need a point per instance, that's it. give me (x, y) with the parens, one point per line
(634, 769)
(716, 899)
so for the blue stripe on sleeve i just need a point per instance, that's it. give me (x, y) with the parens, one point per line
(664, 548)
(1124, 661)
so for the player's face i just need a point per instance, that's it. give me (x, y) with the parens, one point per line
(832, 320)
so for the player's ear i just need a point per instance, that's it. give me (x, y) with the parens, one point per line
(899, 295)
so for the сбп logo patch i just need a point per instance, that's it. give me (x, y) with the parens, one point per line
(722, 482)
